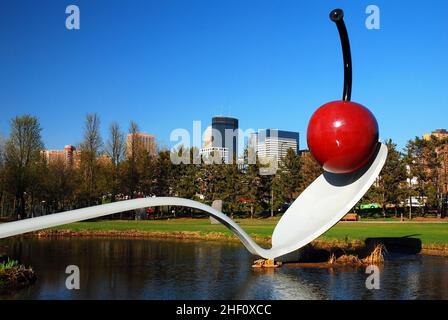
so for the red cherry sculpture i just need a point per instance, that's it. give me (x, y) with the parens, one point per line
(342, 136)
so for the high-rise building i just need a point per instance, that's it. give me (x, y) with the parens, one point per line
(274, 144)
(438, 133)
(215, 155)
(221, 140)
(141, 140)
(53, 155)
(70, 154)
(66, 155)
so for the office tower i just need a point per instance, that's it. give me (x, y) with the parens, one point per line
(140, 140)
(221, 140)
(438, 133)
(65, 155)
(274, 144)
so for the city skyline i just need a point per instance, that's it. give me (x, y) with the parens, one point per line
(152, 146)
(178, 63)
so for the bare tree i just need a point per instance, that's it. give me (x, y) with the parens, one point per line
(22, 154)
(90, 150)
(116, 144)
(92, 138)
(132, 148)
(132, 143)
(115, 149)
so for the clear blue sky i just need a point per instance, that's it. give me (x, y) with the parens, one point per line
(165, 63)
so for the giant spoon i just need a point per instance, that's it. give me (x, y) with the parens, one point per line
(320, 206)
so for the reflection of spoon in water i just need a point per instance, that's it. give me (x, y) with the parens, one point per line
(349, 173)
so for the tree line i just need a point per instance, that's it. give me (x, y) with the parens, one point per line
(415, 179)
(30, 185)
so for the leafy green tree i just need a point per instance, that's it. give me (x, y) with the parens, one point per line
(58, 185)
(221, 182)
(230, 189)
(387, 190)
(415, 160)
(424, 165)
(250, 182)
(290, 174)
(266, 196)
(164, 170)
(279, 191)
(147, 174)
(184, 179)
(286, 182)
(433, 165)
(310, 169)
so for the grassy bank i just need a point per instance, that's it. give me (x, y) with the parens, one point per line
(434, 236)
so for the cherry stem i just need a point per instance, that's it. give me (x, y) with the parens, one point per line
(337, 16)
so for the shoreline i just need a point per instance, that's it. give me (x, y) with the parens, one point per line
(15, 276)
(330, 244)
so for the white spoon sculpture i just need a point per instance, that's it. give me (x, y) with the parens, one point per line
(316, 210)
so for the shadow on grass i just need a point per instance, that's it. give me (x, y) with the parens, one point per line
(407, 244)
(313, 254)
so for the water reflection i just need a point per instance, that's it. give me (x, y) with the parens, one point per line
(166, 269)
(275, 284)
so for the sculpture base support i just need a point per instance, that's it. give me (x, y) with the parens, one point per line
(217, 205)
(266, 263)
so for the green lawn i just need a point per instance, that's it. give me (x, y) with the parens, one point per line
(428, 233)
(261, 228)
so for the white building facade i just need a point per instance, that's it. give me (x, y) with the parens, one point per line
(274, 144)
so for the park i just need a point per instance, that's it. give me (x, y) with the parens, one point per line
(433, 235)
(354, 215)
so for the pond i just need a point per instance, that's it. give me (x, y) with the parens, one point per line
(181, 269)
